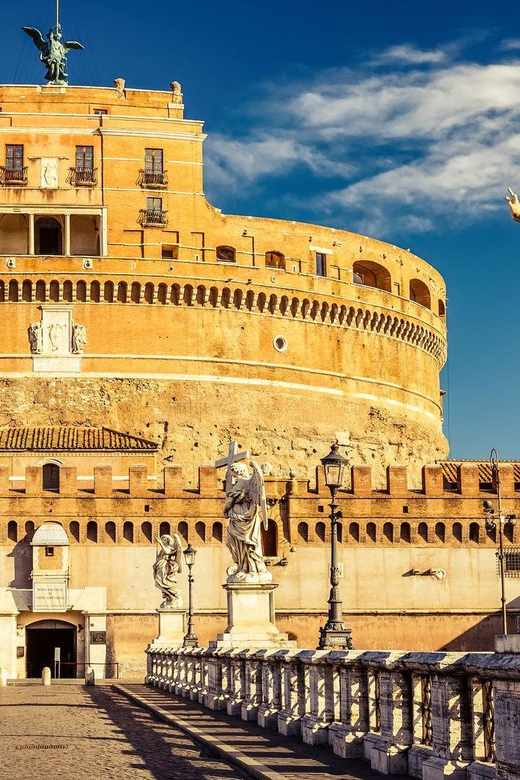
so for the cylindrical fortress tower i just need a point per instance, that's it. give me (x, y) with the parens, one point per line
(196, 327)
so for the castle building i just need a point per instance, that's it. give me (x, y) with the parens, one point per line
(143, 328)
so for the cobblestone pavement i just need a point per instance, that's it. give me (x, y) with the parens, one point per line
(68, 732)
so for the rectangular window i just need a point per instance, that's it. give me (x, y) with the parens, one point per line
(154, 204)
(321, 264)
(100, 111)
(153, 160)
(49, 552)
(512, 562)
(14, 157)
(84, 158)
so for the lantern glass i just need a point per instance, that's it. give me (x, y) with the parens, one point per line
(189, 555)
(334, 466)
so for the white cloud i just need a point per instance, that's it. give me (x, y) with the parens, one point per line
(510, 44)
(407, 54)
(405, 147)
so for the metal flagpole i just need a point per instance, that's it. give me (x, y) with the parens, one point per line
(57, 13)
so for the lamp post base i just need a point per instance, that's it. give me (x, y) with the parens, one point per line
(190, 640)
(335, 637)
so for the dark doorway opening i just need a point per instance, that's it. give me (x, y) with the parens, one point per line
(42, 638)
(48, 237)
(51, 477)
(270, 539)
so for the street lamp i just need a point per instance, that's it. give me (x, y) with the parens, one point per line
(334, 633)
(491, 522)
(190, 640)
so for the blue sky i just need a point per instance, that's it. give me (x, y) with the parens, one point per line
(396, 119)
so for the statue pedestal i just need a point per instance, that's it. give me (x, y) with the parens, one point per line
(172, 628)
(251, 618)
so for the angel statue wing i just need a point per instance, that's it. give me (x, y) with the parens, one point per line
(257, 492)
(37, 37)
(68, 45)
(178, 551)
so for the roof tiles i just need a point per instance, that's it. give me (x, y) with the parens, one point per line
(67, 438)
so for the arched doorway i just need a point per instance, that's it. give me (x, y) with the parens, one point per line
(48, 236)
(42, 639)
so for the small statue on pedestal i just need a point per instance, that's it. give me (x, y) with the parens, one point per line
(168, 564)
(246, 511)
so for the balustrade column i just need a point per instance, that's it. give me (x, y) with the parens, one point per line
(271, 690)
(253, 687)
(215, 700)
(236, 684)
(451, 728)
(292, 694)
(346, 735)
(319, 684)
(389, 752)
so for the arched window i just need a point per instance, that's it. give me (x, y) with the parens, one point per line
(162, 293)
(40, 290)
(371, 531)
(388, 532)
(108, 292)
(135, 292)
(422, 532)
(492, 533)
(95, 292)
(442, 309)
(275, 260)
(353, 532)
(54, 291)
(270, 539)
(110, 530)
(67, 291)
(508, 532)
(81, 291)
(12, 531)
(183, 530)
(440, 532)
(420, 293)
(200, 530)
(51, 477)
(457, 531)
(148, 292)
(13, 290)
(339, 532)
(372, 275)
(303, 532)
(226, 254)
(474, 533)
(216, 532)
(74, 530)
(405, 533)
(164, 529)
(320, 531)
(146, 530)
(121, 292)
(26, 290)
(128, 531)
(92, 531)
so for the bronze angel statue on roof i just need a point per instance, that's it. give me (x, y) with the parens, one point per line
(53, 53)
(246, 511)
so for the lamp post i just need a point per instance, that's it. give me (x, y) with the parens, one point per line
(492, 520)
(334, 633)
(190, 640)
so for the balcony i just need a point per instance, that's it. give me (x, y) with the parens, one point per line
(82, 177)
(152, 179)
(13, 177)
(153, 218)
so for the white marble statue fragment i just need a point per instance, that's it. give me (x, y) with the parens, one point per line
(246, 511)
(36, 338)
(514, 204)
(79, 338)
(168, 564)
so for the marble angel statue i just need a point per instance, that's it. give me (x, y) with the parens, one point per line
(514, 204)
(168, 564)
(246, 511)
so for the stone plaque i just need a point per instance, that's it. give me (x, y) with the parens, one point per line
(98, 637)
(49, 177)
(20, 652)
(50, 596)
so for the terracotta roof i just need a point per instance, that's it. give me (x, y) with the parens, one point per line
(64, 438)
(449, 469)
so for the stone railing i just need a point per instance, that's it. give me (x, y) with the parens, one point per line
(429, 715)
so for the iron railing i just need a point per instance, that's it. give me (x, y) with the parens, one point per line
(153, 178)
(13, 176)
(149, 217)
(83, 177)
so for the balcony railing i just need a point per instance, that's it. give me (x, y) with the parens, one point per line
(151, 217)
(152, 179)
(13, 177)
(83, 177)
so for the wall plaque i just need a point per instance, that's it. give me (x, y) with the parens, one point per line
(49, 596)
(98, 637)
